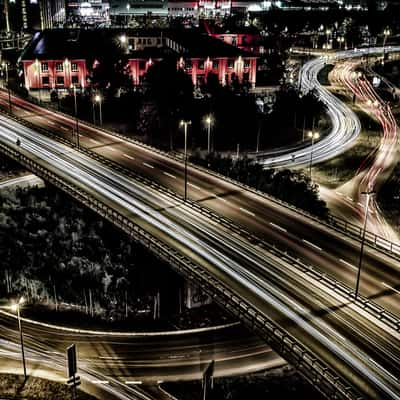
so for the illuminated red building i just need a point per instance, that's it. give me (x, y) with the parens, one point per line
(56, 60)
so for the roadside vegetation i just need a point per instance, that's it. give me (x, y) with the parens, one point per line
(63, 257)
(339, 170)
(14, 387)
(290, 186)
(280, 384)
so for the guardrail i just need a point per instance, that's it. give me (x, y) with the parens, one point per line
(297, 354)
(374, 309)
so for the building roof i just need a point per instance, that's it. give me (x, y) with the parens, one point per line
(68, 43)
(200, 45)
(100, 44)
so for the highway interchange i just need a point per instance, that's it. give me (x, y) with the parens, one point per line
(291, 294)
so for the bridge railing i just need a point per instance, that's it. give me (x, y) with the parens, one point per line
(297, 354)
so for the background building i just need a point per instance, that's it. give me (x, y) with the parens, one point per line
(57, 58)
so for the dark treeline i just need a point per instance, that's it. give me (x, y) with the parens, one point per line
(292, 187)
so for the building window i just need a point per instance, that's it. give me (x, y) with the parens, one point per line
(45, 80)
(230, 64)
(200, 65)
(60, 80)
(142, 65)
(139, 41)
(148, 41)
(45, 67)
(215, 64)
(74, 79)
(188, 64)
(59, 67)
(246, 63)
(74, 67)
(158, 40)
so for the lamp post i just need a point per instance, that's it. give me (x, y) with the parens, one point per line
(386, 33)
(328, 32)
(16, 308)
(209, 122)
(98, 100)
(340, 40)
(5, 65)
(368, 194)
(76, 114)
(313, 136)
(128, 7)
(185, 126)
(124, 42)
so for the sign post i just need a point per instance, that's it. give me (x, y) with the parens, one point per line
(73, 379)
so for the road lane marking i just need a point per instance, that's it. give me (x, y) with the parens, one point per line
(247, 212)
(112, 149)
(170, 175)
(221, 198)
(128, 156)
(360, 204)
(106, 358)
(339, 193)
(390, 287)
(278, 227)
(312, 244)
(94, 141)
(383, 369)
(194, 186)
(100, 382)
(147, 165)
(133, 382)
(349, 198)
(347, 263)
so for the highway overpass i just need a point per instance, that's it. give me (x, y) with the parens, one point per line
(347, 349)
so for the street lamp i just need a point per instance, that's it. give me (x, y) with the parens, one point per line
(128, 7)
(16, 308)
(386, 33)
(73, 86)
(328, 32)
(340, 40)
(98, 100)
(185, 125)
(209, 121)
(5, 65)
(313, 136)
(368, 194)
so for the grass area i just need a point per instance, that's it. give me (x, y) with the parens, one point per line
(14, 387)
(342, 168)
(280, 384)
(323, 74)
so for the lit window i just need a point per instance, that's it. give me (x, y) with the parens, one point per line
(247, 63)
(230, 64)
(201, 64)
(74, 67)
(59, 67)
(215, 64)
(45, 67)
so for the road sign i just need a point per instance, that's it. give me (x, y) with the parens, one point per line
(72, 367)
